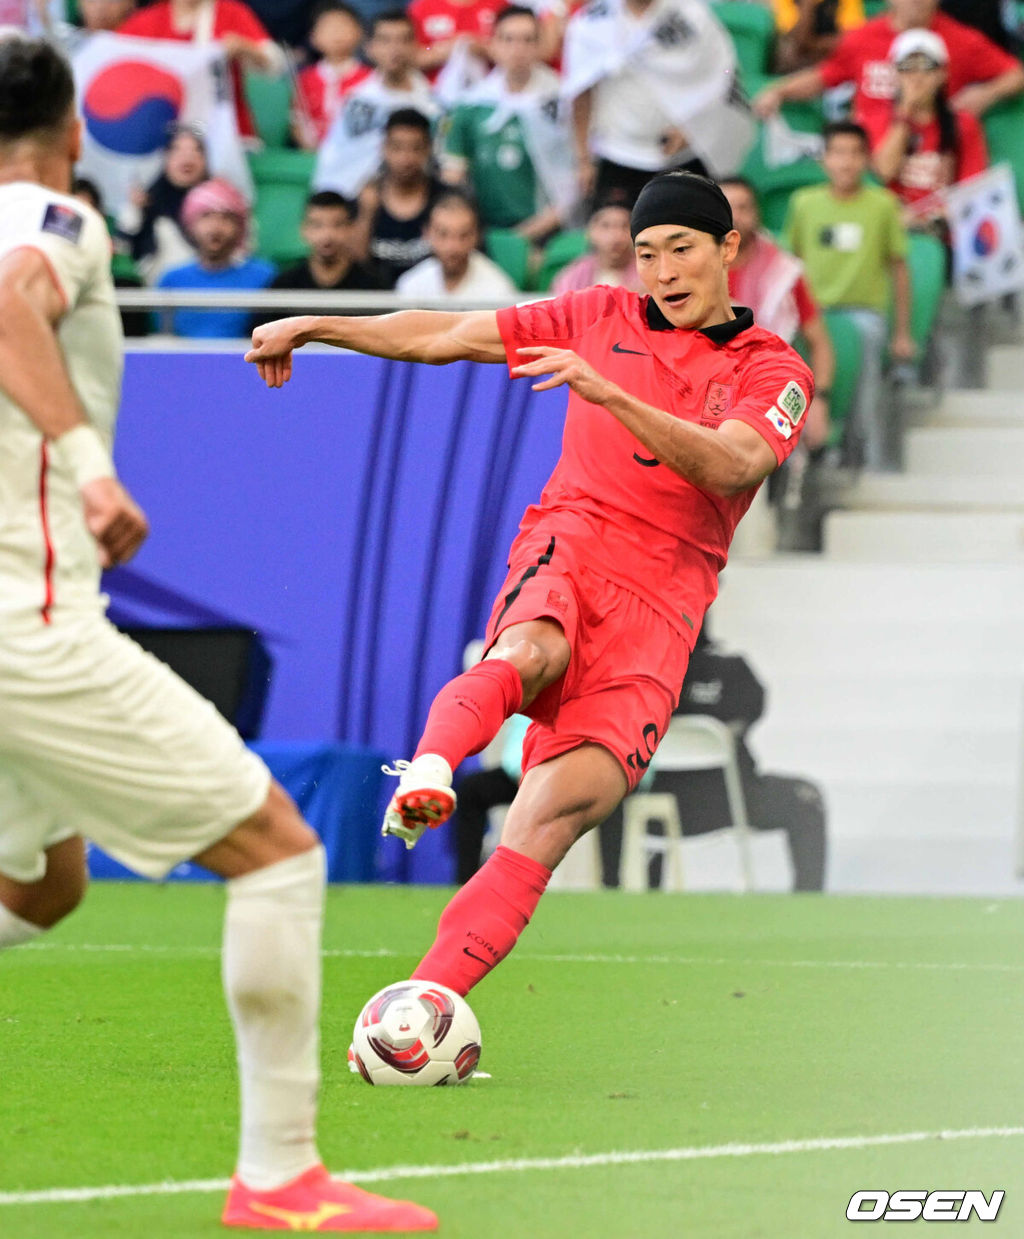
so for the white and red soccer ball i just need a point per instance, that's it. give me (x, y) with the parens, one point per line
(414, 1032)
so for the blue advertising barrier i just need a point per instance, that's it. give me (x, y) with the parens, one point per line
(337, 788)
(358, 518)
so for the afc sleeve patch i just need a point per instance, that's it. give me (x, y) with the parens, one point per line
(793, 403)
(63, 221)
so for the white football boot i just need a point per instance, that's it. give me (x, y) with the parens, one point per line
(423, 798)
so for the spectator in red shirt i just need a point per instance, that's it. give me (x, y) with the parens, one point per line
(979, 72)
(922, 145)
(230, 23)
(336, 33)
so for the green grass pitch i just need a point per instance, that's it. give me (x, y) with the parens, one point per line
(623, 1024)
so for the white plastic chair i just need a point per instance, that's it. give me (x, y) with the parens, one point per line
(692, 742)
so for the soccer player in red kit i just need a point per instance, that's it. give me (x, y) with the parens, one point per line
(679, 407)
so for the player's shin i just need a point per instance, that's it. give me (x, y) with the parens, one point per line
(483, 921)
(271, 968)
(14, 930)
(468, 712)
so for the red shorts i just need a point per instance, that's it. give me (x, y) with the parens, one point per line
(626, 665)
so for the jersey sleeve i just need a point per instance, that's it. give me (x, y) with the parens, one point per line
(774, 399)
(73, 240)
(557, 321)
(986, 59)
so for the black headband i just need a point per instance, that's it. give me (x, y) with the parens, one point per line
(682, 198)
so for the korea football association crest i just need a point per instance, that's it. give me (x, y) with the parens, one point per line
(718, 400)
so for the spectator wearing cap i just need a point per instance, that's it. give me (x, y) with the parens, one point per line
(611, 258)
(923, 145)
(979, 72)
(149, 223)
(506, 139)
(216, 217)
(456, 268)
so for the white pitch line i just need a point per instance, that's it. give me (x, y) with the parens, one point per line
(204, 952)
(575, 1161)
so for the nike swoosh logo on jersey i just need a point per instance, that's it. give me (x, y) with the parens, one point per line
(487, 962)
(617, 348)
(647, 464)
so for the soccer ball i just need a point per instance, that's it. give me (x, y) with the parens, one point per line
(414, 1032)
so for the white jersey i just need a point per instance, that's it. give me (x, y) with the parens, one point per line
(48, 559)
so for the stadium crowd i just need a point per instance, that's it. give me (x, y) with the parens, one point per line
(472, 150)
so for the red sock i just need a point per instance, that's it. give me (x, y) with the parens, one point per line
(483, 921)
(469, 711)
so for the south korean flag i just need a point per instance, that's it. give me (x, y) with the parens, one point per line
(988, 241)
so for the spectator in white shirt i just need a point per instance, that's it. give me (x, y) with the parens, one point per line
(457, 269)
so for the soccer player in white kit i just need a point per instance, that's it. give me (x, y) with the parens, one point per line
(98, 740)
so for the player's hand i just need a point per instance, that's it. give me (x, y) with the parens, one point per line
(114, 519)
(565, 367)
(272, 346)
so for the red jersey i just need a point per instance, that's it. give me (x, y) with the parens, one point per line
(629, 517)
(926, 170)
(319, 90)
(436, 21)
(862, 57)
(229, 17)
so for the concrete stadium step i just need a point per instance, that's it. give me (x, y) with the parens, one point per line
(913, 537)
(913, 491)
(953, 451)
(1005, 367)
(881, 753)
(953, 808)
(765, 601)
(968, 410)
(910, 697)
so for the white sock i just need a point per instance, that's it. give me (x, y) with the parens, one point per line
(14, 930)
(271, 968)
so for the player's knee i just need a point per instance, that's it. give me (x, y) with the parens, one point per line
(48, 902)
(537, 664)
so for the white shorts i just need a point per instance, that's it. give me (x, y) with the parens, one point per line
(100, 739)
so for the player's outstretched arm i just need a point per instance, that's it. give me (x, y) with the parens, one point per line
(430, 336)
(34, 377)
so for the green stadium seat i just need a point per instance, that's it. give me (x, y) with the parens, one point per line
(561, 250)
(752, 30)
(270, 100)
(283, 167)
(511, 252)
(847, 346)
(1004, 132)
(278, 214)
(873, 8)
